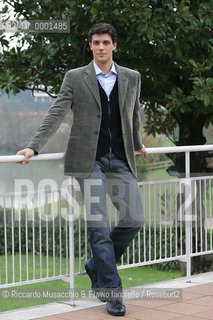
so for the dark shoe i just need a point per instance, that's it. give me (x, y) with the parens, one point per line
(94, 285)
(116, 308)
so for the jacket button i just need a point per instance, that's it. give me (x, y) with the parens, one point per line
(96, 132)
(98, 115)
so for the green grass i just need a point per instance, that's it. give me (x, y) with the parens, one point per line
(158, 175)
(30, 267)
(142, 275)
(130, 277)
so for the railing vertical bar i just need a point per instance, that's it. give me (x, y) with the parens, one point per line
(52, 206)
(195, 215)
(122, 260)
(12, 227)
(139, 246)
(5, 242)
(188, 219)
(192, 216)
(181, 220)
(71, 244)
(19, 242)
(2, 270)
(165, 217)
(150, 242)
(40, 235)
(79, 242)
(60, 234)
(86, 236)
(176, 221)
(155, 241)
(116, 216)
(201, 223)
(139, 237)
(33, 226)
(26, 241)
(66, 234)
(170, 222)
(127, 250)
(210, 212)
(205, 213)
(160, 221)
(144, 227)
(109, 206)
(133, 250)
(47, 234)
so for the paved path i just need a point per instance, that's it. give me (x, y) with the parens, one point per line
(196, 303)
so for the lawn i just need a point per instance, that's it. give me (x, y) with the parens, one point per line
(130, 277)
(161, 174)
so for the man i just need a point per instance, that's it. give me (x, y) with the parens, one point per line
(104, 99)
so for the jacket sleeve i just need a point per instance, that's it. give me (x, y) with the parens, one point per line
(54, 117)
(137, 120)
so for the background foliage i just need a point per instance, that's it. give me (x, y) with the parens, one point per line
(170, 42)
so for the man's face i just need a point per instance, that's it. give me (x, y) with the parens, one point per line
(102, 47)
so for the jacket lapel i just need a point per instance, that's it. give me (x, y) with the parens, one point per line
(122, 86)
(91, 82)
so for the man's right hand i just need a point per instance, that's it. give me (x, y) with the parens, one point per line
(27, 153)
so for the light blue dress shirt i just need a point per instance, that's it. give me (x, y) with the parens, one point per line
(106, 80)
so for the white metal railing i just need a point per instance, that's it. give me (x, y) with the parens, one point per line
(37, 242)
(159, 165)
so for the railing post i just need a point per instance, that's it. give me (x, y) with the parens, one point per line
(71, 244)
(187, 201)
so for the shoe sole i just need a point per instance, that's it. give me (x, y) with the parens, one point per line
(117, 314)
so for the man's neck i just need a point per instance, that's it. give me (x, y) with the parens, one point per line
(105, 67)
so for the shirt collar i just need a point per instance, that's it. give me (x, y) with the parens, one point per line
(98, 70)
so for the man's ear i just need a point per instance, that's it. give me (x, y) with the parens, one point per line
(115, 45)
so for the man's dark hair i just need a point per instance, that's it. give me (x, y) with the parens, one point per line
(101, 28)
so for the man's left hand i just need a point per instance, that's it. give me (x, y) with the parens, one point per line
(142, 152)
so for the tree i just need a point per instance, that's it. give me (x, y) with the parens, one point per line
(170, 43)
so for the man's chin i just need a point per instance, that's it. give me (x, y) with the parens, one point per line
(102, 58)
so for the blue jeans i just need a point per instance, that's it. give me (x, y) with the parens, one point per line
(113, 176)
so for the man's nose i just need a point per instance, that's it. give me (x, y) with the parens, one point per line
(101, 46)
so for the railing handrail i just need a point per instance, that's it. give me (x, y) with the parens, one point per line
(59, 156)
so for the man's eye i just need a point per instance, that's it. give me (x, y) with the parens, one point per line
(96, 43)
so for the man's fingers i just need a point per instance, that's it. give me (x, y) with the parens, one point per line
(27, 153)
(21, 152)
(25, 160)
(142, 152)
(145, 153)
